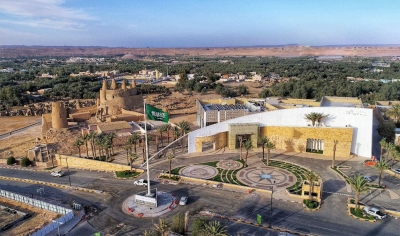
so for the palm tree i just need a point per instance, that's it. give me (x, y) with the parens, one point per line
(162, 226)
(262, 141)
(111, 136)
(383, 144)
(390, 147)
(395, 155)
(133, 139)
(93, 136)
(320, 117)
(161, 130)
(269, 145)
(359, 184)
(78, 143)
(381, 166)
(248, 145)
(184, 126)
(335, 142)
(127, 148)
(214, 228)
(313, 117)
(394, 112)
(133, 156)
(176, 132)
(86, 139)
(311, 177)
(240, 138)
(168, 128)
(170, 157)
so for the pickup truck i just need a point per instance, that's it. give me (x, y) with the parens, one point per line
(140, 182)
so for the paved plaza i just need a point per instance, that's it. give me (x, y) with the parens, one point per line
(199, 171)
(265, 177)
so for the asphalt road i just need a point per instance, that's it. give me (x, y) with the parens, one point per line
(330, 220)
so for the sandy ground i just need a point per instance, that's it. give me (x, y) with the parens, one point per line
(39, 219)
(8, 124)
(18, 144)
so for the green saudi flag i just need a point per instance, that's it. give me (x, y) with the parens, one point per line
(156, 114)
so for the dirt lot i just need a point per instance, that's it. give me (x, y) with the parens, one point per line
(8, 124)
(39, 219)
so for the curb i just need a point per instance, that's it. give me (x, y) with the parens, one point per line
(312, 210)
(24, 168)
(52, 184)
(355, 217)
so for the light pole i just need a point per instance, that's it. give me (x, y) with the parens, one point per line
(58, 226)
(69, 177)
(270, 212)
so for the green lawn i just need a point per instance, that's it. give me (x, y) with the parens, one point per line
(126, 174)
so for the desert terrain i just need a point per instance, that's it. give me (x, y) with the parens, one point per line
(278, 51)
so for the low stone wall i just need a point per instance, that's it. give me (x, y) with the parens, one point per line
(83, 163)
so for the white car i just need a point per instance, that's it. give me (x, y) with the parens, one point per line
(374, 212)
(57, 173)
(397, 171)
(183, 200)
(367, 178)
(140, 182)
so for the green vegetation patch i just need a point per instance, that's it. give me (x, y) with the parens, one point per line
(310, 204)
(176, 170)
(359, 213)
(173, 177)
(126, 174)
(50, 168)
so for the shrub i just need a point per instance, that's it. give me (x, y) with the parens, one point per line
(25, 162)
(10, 161)
(178, 224)
(198, 225)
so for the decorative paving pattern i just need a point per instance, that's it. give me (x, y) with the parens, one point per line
(264, 177)
(229, 165)
(199, 171)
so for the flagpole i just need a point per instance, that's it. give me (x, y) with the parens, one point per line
(147, 148)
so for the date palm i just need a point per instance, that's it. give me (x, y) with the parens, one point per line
(92, 137)
(127, 148)
(394, 112)
(162, 226)
(311, 177)
(248, 145)
(313, 117)
(390, 148)
(383, 145)
(132, 157)
(335, 142)
(168, 129)
(214, 228)
(133, 139)
(184, 126)
(262, 141)
(269, 146)
(161, 130)
(381, 166)
(78, 143)
(86, 139)
(359, 184)
(170, 157)
(111, 136)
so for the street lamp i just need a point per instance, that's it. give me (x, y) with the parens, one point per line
(69, 177)
(58, 226)
(270, 213)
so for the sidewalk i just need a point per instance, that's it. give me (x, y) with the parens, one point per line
(66, 227)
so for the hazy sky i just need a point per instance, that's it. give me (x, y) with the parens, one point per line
(198, 23)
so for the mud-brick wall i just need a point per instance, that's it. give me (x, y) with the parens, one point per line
(219, 139)
(294, 139)
(83, 163)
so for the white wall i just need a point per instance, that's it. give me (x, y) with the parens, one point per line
(358, 118)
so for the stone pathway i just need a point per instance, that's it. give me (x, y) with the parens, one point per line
(199, 171)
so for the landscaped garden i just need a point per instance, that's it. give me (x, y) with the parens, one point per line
(126, 174)
(298, 171)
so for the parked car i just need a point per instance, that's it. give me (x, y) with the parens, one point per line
(374, 212)
(183, 200)
(140, 182)
(397, 171)
(367, 178)
(57, 173)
